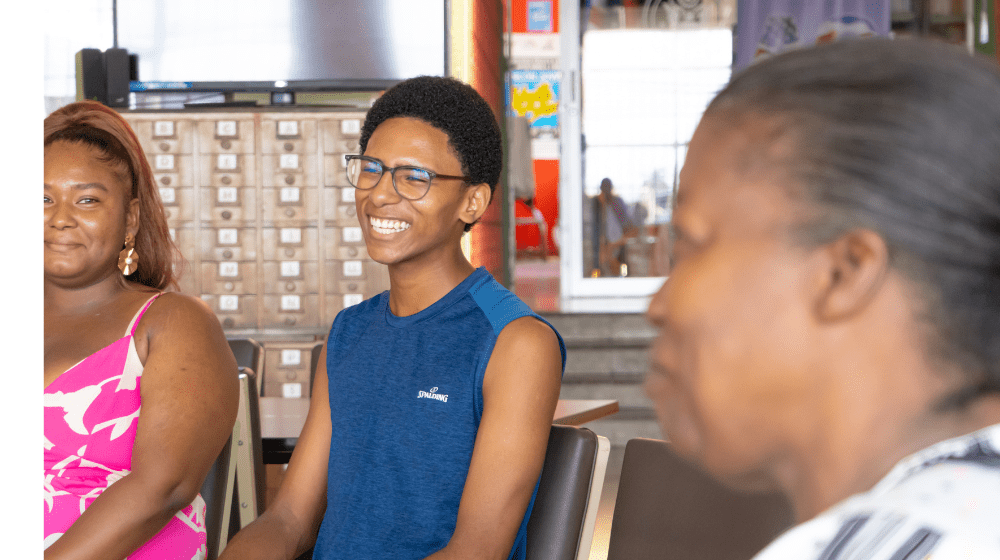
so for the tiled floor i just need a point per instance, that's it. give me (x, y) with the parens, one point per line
(536, 282)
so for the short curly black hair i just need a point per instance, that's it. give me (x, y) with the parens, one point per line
(456, 109)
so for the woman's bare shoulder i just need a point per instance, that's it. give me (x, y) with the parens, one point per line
(178, 315)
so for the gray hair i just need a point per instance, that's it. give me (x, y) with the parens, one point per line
(901, 137)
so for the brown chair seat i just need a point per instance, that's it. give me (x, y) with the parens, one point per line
(669, 509)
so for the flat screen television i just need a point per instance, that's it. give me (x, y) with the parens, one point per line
(282, 45)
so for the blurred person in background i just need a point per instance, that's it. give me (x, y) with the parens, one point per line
(831, 323)
(615, 227)
(140, 385)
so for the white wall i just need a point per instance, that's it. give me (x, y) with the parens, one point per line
(68, 26)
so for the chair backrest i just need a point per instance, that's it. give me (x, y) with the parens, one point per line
(214, 492)
(234, 488)
(668, 508)
(561, 526)
(249, 354)
(314, 363)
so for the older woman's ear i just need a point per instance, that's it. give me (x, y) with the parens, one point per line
(853, 270)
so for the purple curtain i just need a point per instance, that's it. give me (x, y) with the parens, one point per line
(767, 27)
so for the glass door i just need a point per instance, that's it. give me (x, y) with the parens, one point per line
(638, 80)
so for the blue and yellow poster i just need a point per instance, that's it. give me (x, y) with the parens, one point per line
(534, 94)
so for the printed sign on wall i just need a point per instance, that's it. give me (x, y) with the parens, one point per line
(540, 16)
(535, 95)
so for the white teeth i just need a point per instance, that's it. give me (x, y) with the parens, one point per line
(388, 226)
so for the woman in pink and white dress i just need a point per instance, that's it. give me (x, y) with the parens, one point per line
(140, 385)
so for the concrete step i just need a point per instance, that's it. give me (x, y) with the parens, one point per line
(602, 329)
(607, 358)
(628, 395)
(605, 363)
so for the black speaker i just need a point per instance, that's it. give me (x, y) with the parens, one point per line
(91, 77)
(117, 66)
(104, 76)
(133, 67)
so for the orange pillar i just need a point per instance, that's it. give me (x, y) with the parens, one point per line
(476, 56)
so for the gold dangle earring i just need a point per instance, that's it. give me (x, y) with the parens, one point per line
(128, 259)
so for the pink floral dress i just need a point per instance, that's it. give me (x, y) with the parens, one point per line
(91, 415)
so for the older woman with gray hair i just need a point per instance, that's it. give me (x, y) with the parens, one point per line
(831, 323)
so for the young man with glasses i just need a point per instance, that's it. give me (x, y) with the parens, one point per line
(432, 402)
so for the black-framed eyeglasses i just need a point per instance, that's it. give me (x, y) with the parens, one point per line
(410, 182)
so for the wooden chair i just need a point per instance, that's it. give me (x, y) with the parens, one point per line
(249, 354)
(234, 488)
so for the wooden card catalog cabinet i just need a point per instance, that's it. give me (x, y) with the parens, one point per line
(258, 202)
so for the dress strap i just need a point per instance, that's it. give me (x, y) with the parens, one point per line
(138, 316)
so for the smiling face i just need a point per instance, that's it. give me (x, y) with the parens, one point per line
(87, 215)
(729, 370)
(396, 229)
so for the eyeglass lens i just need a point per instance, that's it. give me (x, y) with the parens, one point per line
(410, 182)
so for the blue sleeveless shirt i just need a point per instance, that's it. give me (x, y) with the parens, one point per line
(406, 398)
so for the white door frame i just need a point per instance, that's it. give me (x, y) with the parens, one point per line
(578, 292)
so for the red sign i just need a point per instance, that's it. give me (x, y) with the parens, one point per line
(519, 10)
